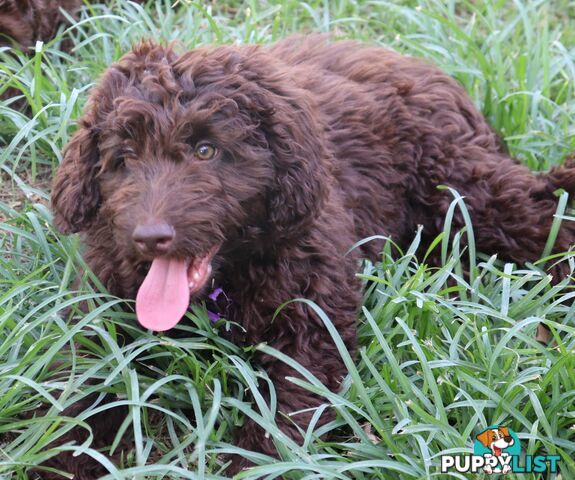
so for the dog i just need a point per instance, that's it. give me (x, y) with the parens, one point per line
(256, 168)
(497, 440)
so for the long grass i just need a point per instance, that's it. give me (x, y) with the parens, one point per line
(441, 356)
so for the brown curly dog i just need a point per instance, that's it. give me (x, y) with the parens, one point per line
(255, 168)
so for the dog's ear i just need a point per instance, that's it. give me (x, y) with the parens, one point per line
(295, 136)
(301, 184)
(76, 195)
(485, 438)
(75, 192)
(504, 431)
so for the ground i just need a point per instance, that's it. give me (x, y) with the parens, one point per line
(442, 356)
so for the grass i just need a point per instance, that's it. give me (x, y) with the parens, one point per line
(441, 356)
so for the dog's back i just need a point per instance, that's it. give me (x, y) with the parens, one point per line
(387, 118)
(398, 128)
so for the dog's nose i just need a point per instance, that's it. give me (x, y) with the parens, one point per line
(154, 239)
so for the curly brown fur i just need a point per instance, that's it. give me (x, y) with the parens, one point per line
(321, 144)
(25, 21)
(104, 427)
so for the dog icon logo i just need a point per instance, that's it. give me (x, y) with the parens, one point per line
(497, 445)
(497, 450)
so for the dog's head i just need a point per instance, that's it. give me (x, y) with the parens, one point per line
(182, 158)
(496, 439)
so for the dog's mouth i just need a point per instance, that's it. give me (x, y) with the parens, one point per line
(164, 296)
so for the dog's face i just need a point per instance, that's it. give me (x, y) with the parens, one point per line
(183, 159)
(496, 439)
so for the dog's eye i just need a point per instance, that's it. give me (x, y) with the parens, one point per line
(118, 162)
(205, 151)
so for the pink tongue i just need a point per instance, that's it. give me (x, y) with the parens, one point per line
(164, 297)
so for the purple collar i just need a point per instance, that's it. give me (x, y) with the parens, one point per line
(218, 305)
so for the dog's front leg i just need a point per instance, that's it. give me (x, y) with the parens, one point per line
(295, 405)
(300, 334)
(489, 460)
